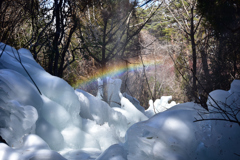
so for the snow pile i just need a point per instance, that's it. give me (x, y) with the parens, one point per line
(61, 123)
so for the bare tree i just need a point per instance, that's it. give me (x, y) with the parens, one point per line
(188, 21)
(13, 16)
(51, 42)
(107, 29)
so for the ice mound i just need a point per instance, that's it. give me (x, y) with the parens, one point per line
(172, 135)
(168, 135)
(68, 121)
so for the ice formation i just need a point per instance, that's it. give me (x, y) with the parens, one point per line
(159, 105)
(63, 123)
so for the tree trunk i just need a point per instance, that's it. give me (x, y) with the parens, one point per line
(206, 70)
(57, 35)
(105, 88)
(194, 57)
(103, 62)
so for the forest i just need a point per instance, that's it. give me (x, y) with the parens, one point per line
(192, 45)
(89, 79)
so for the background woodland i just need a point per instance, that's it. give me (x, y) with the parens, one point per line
(193, 44)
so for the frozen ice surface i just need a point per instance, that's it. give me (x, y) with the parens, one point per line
(81, 126)
(34, 148)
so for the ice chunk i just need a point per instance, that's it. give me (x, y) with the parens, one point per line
(100, 88)
(219, 99)
(113, 90)
(118, 122)
(34, 141)
(131, 113)
(22, 121)
(7, 48)
(159, 105)
(55, 114)
(97, 108)
(114, 86)
(150, 111)
(224, 105)
(134, 101)
(85, 104)
(50, 134)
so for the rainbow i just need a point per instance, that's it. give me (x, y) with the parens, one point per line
(116, 70)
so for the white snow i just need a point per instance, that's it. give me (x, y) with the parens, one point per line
(64, 123)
